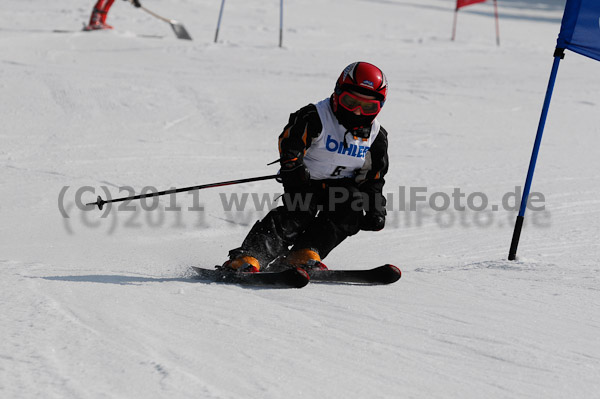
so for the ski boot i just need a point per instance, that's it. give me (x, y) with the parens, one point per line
(245, 264)
(98, 17)
(306, 258)
(97, 26)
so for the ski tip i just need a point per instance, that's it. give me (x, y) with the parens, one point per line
(390, 274)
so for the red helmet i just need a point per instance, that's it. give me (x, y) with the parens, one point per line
(362, 78)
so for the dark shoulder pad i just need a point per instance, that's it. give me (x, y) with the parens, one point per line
(308, 115)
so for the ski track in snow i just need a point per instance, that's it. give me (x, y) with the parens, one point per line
(103, 304)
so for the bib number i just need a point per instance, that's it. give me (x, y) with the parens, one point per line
(338, 170)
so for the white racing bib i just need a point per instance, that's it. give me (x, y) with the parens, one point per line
(327, 157)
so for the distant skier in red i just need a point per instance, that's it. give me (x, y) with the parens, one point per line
(99, 13)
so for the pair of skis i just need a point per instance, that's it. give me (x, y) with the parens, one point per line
(299, 277)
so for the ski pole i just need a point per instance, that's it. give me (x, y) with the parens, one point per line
(178, 28)
(100, 202)
(219, 20)
(281, 23)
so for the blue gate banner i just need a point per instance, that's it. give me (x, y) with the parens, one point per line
(580, 29)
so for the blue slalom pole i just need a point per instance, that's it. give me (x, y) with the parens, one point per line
(559, 54)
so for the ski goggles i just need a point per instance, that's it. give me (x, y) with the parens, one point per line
(352, 102)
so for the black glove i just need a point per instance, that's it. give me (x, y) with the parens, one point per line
(135, 2)
(372, 222)
(293, 173)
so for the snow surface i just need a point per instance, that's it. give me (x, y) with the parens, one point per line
(96, 307)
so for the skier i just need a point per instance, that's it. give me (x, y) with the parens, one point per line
(333, 158)
(99, 13)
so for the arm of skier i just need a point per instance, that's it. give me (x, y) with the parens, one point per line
(303, 126)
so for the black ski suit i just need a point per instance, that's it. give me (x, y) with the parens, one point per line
(319, 214)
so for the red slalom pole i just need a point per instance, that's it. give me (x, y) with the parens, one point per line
(454, 25)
